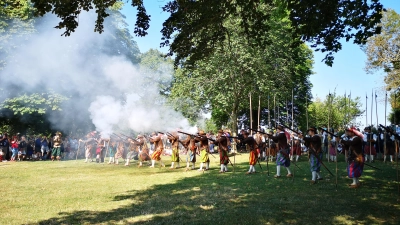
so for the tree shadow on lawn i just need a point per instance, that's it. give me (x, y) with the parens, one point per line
(236, 198)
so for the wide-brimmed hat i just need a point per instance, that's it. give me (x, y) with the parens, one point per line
(279, 127)
(314, 129)
(367, 128)
(201, 132)
(355, 131)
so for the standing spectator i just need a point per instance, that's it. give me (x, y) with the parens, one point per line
(74, 145)
(4, 144)
(38, 147)
(29, 149)
(44, 147)
(14, 148)
(22, 148)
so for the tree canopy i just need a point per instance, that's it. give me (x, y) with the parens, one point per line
(383, 53)
(32, 107)
(383, 50)
(222, 81)
(194, 28)
(335, 111)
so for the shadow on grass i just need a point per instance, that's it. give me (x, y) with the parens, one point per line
(236, 198)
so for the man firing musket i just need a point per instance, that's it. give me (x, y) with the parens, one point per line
(191, 149)
(314, 153)
(133, 149)
(390, 137)
(222, 142)
(369, 142)
(158, 149)
(174, 139)
(90, 145)
(282, 157)
(204, 150)
(251, 142)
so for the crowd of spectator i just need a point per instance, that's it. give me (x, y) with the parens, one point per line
(20, 147)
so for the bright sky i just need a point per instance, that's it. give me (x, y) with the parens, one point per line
(346, 75)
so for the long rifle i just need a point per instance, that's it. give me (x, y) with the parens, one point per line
(372, 135)
(119, 136)
(390, 131)
(346, 119)
(251, 113)
(377, 124)
(275, 109)
(269, 140)
(284, 154)
(312, 151)
(334, 135)
(384, 138)
(198, 136)
(329, 117)
(366, 109)
(307, 110)
(293, 138)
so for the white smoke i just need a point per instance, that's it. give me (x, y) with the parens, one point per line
(117, 94)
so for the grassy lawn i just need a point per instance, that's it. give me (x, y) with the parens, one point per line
(74, 192)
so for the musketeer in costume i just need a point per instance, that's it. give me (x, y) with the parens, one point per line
(158, 149)
(120, 151)
(174, 140)
(369, 142)
(56, 153)
(143, 150)
(355, 155)
(90, 145)
(252, 145)
(191, 148)
(133, 150)
(204, 158)
(332, 148)
(314, 153)
(222, 143)
(296, 148)
(390, 145)
(282, 157)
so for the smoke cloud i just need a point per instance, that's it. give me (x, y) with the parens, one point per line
(107, 88)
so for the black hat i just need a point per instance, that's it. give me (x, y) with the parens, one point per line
(313, 129)
(279, 127)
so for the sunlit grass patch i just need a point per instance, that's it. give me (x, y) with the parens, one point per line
(73, 192)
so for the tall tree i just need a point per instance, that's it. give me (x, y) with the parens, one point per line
(340, 110)
(383, 50)
(223, 81)
(383, 53)
(16, 24)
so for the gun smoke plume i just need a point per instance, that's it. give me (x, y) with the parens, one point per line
(117, 94)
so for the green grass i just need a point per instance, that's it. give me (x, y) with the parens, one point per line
(74, 192)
